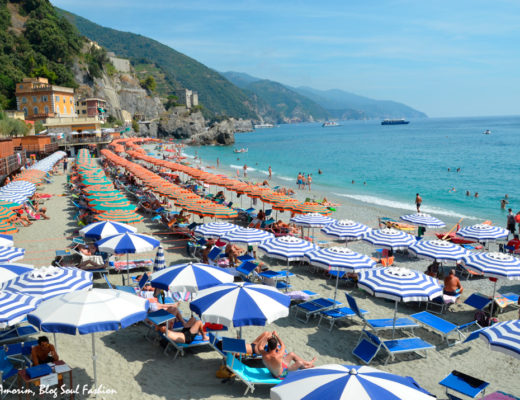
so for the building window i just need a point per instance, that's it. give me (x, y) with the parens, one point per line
(44, 98)
(25, 111)
(20, 86)
(24, 100)
(46, 109)
(57, 98)
(83, 112)
(71, 100)
(35, 110)
(34, 99)
(83, 103)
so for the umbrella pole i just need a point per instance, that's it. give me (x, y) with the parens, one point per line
(55, 342)
(493, 300)
(337, 280)
(127, 270)
(395, 317)
(94, 363)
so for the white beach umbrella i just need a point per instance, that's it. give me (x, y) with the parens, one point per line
(15, 306)
(9, 254)
(103, 229)
(312, 220)
(190, 277)
(215, 229)
(502, 336)
(389, 238)
(89, 311)
(483, 232)
(6, 240)
(10, 271)
(439, 250)
(287, 248)
(247, 235)
(346, 229)
(422, 219)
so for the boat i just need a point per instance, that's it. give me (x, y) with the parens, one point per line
(242, 150)
(487, 132)
(329, 123)
(261, 126)
(401, 121)
(453, 238)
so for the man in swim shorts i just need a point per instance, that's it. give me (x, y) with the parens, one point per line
(418, 202)
(279, 363)
(191, 329)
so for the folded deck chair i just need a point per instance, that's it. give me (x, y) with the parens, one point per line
(17, 334)
(338, 314)
(313, 307)
(478, 301)
(443, 327)
(249, 375)
(381, 323)
(369, 345)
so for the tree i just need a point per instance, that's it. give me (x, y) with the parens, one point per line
(149, 83)
(38, 127)
(13, 127)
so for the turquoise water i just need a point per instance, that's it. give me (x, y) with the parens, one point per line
(396, 162)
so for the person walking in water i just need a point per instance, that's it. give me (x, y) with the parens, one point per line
(245, 170)
(270, 172)
(418, 202)
(309, 181)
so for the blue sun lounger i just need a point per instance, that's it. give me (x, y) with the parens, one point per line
(369, 345)
(381, 323)
(182, 347)
(478, 301)
(443, 327)
(17, 334)
(464, 384)
(338, 314)
(313, 307)
(249, 375)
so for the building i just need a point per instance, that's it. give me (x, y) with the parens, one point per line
(40, 100)
(70, 124)
(15, 114)
(121, 64)
(187, 97)
(91, 107)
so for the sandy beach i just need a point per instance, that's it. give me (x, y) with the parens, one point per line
(133, 368)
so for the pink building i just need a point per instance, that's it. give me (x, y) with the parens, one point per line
(91, 107)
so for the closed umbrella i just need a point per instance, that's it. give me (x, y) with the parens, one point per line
(103, 229)
(399, 284)
(422, 219)
(346, 229)
(90, 311)
(190, 277)
(389, 238)
(159, 262)
(347, 382)
(126, 243)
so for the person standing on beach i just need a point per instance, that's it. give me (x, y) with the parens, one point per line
(245, 170)
(299, 180)
(65, 164)
(309, 181)
(270, 172)
(511, 222)
(418, 202)
(218, 162)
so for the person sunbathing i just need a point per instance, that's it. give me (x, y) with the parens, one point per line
(191, 329)
(220, 196)
(232, 252)
(207, 248)
(41, 212)
(279, 363)
(182, 218)
(21, 218)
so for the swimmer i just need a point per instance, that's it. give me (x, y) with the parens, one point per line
(353, 181)
(468, 193)
(320, 172)
(476, 194)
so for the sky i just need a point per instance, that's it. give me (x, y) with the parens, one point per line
(445, 58)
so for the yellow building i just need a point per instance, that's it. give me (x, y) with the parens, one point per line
(40, 100)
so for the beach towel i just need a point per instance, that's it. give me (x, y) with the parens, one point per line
(298, 295)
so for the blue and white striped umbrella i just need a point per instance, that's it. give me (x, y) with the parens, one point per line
(125, 243)
(287, 248)
(483, 232)
(247, 235)
(439, 250)
(6, 240)
(215, 229)
(312, 220)
(346, 229)
(159, 263)
(241, 304)
(347, 382)
(14, 197)
(103, 229)
(11, 271)
(389, 238)
(494, 265)
(339, 258)
(15, 306)
(190, 277)
(48, 162)
(503, 337)
(48, 282)
(19, 190)
(9, 254)
(90, 311)
(399, 284)
(421, 219)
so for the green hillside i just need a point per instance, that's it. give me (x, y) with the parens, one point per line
(216, 94)
(35, 41)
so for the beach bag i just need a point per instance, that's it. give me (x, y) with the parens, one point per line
(482, 318)
(224, 373)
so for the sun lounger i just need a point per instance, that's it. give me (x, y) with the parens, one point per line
(17, 334)
(443, 327)
(157, 318)
(337, 314)
(249, 375)
(464, 384)
(20, 351)
(381, 323)
(182, 347)
(7, 371)
(369, 345)
(443, 302)
(313, 307)
(247, 271)
(478, 301)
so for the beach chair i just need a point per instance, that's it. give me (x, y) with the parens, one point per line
(7, 371)
(338, 314)
(182, 347)
(17, 334)
(478, 301)
(214, 255)
(247, 271)
(443, 302)
(369, 345)
(443, 327)
(381, 323)
(20, 352)
(313, 307)
(249, 375)
(464, 384)
(155, 319)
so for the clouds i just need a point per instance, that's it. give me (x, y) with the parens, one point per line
(396, 49)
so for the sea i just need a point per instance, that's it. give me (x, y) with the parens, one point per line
(447, 160)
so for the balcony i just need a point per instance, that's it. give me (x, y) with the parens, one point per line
(38, 148)
(76, 140)
(11, 163)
